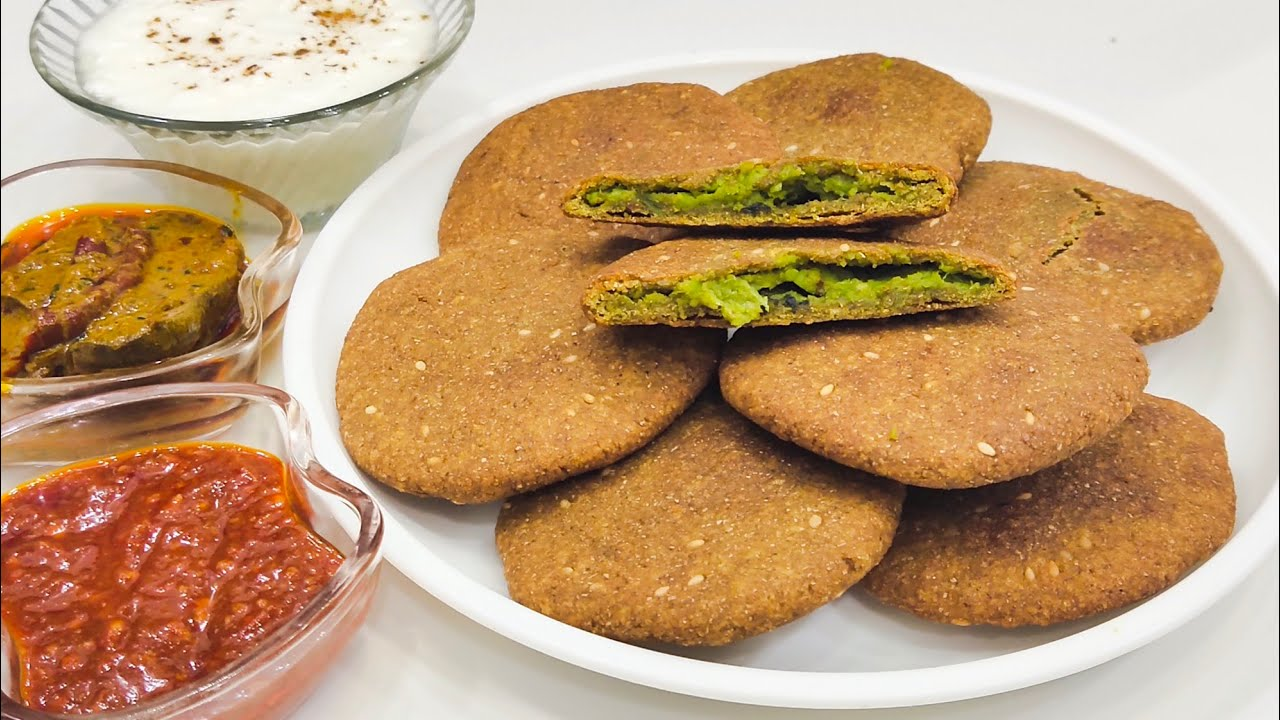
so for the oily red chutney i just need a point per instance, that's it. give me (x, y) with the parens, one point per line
(129, 576)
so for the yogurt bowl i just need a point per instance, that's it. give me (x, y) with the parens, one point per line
(311, 158)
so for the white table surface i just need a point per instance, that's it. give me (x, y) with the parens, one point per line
(1197, 79)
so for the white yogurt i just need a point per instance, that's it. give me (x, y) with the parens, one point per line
(249, 59)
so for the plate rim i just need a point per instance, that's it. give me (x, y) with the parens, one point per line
(1137, 626)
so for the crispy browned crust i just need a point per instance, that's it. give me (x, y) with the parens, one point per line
(1140, 265)
(948, 400)
(831, 214)
(517, 177)
(872, 108)
(715, 532)
(474, 376)
(662, 266)
(1116, 523)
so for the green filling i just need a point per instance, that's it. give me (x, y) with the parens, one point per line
(743, 298)
(755, 188)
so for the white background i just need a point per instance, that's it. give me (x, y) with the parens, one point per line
(1197, 79)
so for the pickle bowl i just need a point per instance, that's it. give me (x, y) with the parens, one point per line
(269, 231)
(310, 160)
(285, 664)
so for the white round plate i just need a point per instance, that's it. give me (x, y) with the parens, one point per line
(851, 653)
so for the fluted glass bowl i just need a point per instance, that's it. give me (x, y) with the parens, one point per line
(311, 161)
(270, 234)
(279, 673)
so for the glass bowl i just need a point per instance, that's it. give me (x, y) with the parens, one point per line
(311, 161)
(282, 670)
(270, 234)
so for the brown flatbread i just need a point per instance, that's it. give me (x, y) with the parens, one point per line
(944, 400)
(518, 176)
(475, 376)
(715, 532)
(1140, 265)
(872, 108)
(733, 283)
(1116, 523)
(787, 193)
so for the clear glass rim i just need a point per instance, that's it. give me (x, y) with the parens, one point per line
(253, 316)
(442, 54)
(336, 593)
